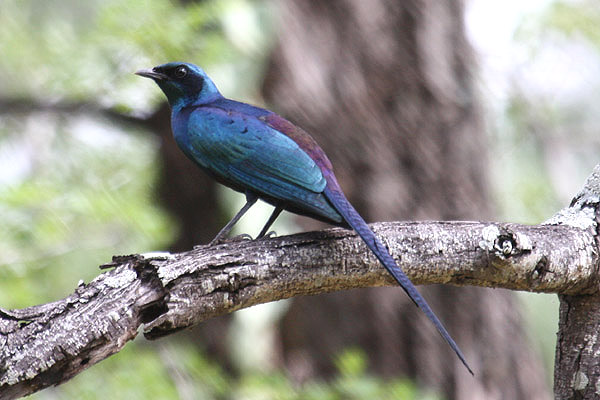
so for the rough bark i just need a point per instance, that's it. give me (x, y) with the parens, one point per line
(48, 344)
(577, 370)
(386, 87)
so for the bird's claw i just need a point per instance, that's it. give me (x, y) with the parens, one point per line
(270, 234)
(242, 237)
(238, 238)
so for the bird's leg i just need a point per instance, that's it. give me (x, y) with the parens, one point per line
(251, 198)
(272, 219)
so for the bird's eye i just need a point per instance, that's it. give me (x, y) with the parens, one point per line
(180, 72)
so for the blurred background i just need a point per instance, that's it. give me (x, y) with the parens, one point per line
(469, 110)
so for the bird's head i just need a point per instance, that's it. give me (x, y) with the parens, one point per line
(183, 83)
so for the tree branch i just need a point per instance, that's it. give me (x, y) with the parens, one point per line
(16, 106)
(48, 344)
(577, 371)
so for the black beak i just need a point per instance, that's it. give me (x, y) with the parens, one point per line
(148, 73)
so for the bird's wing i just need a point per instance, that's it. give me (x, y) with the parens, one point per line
(242, 149)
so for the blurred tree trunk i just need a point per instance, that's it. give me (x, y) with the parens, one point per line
(387, 89)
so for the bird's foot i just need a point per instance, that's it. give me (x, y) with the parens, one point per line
(270, 234)
(222, 240)
(241, 238)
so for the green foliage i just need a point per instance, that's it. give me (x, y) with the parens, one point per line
(355, 383)
(88, 50)
(574, 19)
(178, 371)
(523, 187)
(135, 373)
(75, 190)
(74, 206)
(352, 383)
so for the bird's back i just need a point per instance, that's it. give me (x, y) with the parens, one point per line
(249, 148)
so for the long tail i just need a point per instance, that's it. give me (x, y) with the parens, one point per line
(343, 206)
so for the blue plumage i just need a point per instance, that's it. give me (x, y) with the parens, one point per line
(259, 153)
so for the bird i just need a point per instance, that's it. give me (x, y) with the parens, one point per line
(264, 156)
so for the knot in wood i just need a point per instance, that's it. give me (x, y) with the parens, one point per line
(503, 242)
(506, 246)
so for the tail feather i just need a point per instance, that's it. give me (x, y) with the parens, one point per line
(351, 216)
